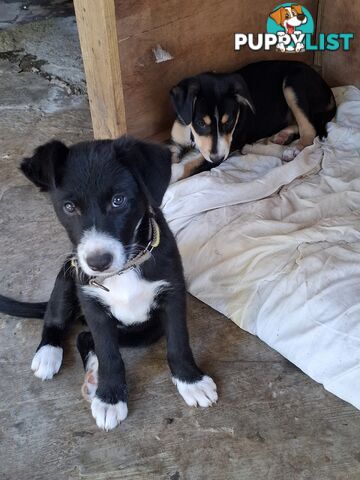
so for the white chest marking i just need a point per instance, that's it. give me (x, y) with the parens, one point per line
(130, 296)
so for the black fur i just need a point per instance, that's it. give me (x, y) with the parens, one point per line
(22, 309)
(89, 174)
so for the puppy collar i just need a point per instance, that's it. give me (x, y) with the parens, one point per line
(139, 259)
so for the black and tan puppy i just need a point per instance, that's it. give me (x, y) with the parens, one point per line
(124, 275)
(218, 113)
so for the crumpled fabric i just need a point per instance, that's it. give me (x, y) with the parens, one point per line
(276, 248)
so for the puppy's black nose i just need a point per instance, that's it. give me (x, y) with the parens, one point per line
(301, 17)
(100, 261)
(214, 157)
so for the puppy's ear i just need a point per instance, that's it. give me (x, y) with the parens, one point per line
(278, 15)
(239, 88)
(150, 164)
(183, 97)
(45, 168)
(297, 9)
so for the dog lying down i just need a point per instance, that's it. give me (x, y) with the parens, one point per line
(125, 274)
(219, 113)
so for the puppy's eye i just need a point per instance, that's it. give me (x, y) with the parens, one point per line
(118, 201)
(69, 207)
(200, 123)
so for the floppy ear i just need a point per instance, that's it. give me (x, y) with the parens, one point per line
(45, 168)
(240, 90)
(183, 97)
(150, 164)
(297, 8)
(278, 15)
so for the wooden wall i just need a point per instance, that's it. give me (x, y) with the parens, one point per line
(129, 90)
(199, 36)
(341, 16)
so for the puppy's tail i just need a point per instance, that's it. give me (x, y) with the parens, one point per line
(22, 309)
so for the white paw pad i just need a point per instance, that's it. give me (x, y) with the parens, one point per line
(202, 393)
(108, 415)
(290, 153)
(90, 384)
(47, 362)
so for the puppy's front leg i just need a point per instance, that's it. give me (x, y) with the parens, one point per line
(109, 405)
(60, 311)
(190, 163)
(195, 387)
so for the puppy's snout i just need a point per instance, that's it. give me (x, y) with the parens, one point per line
(214, 157)
(99, 262)
(301, 17)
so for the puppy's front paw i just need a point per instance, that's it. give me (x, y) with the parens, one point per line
(202, 392)
(290, 153)
(47, 362)
(107, 415)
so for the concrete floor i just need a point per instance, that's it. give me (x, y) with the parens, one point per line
(271, 422)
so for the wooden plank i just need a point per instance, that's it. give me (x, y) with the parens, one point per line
(99, 46)
(199, 36)
(340, 67)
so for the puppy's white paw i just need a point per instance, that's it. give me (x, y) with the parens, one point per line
(47, 362)
(290, 153)
(247, 148)
(202, 393)
(90, 384)
(107, 415)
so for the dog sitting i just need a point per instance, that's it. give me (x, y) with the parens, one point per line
(218, 113)
(125, 274)
(289, 18)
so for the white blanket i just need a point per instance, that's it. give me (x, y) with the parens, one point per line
(276, 248)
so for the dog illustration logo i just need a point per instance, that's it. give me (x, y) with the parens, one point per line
(290, 21)
(290, 29)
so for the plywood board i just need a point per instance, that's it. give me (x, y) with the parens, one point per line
(198, 35)
(341, 16)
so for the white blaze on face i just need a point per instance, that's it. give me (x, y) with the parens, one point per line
(94, 242)
(223, 146)
(203, 143)
(224, 141)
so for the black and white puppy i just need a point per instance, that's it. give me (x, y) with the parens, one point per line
(218, 113)
(125, 274)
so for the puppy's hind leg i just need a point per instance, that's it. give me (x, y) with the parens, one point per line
(86, 347)
(60, 311)
(299, 106)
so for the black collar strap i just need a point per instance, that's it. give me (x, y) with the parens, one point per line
(139, 259)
